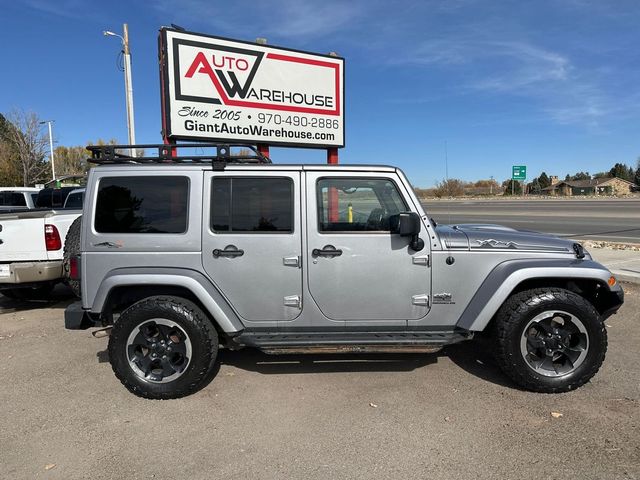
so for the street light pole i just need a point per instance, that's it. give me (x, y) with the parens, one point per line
(128, 84)
(53, 166)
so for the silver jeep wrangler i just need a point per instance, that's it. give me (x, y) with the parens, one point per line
(182, 254)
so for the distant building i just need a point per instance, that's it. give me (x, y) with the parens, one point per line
(595, 186)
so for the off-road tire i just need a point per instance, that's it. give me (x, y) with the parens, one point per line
(72, 249)
(513, 317)
(191, 319)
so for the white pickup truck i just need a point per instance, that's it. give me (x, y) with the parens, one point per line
(31, 251)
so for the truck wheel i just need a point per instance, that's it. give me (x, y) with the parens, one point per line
(72, 249)
(163, 347)
(549, 340)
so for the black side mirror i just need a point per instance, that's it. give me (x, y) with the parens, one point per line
(408, 224)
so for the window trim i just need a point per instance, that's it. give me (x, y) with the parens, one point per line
(292, 183)
(354, 232)
(94, 231)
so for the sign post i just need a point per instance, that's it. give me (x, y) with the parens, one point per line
(518, 172)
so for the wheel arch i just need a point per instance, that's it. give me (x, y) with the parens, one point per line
(584, 277)
(124, 286)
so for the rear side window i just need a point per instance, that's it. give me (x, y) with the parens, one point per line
(252, 205)
(142, 205)
(12, 199)
(74, 200)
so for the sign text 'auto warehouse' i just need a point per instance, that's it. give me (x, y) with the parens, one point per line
(225, 90)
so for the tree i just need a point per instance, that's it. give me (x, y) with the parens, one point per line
(544, 180)
(578, 176)
(636, 178)
(26, 136)
(9, 171)
(70, 160)
(449, 188)
(512, 186)
(620, 170)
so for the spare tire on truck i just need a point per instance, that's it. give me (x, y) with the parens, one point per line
(72, 249)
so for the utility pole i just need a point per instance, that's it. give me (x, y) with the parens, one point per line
(128, 85)
(53, 166)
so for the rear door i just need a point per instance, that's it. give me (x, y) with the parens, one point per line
(252, 242)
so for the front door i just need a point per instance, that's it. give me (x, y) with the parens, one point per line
(251, 242)
(358, 270)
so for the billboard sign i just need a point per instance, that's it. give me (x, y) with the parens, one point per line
(225, 90)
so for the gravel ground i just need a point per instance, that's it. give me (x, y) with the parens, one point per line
(450, 415)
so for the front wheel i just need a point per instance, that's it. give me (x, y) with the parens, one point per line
(549, 340)
(163, 347)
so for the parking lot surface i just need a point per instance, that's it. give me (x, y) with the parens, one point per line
(450, 415)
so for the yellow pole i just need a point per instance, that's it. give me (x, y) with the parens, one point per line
(350, 213)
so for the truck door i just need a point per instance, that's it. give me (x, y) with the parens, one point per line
(357, 269)
(251, 242)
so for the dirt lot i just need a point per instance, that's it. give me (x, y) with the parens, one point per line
(450, 415)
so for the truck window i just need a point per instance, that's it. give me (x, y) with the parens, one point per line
(363, 204)
(242, 204)
(12, 199)
(74, 200)
(142, 205)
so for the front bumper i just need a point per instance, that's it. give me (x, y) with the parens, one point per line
(77, 318)
(612, 303)
(30, 272)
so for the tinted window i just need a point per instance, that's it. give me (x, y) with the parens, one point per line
(12, 199)
(357, 204)
(252, 205)
(142, 205)
(74, 200)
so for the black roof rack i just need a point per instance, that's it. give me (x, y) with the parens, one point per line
(112, 154)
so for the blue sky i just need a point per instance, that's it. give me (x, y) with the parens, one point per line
(551, 84)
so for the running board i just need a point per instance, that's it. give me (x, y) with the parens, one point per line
(351, 349)
(351, 342)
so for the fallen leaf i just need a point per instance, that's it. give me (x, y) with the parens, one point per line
(556, 414)
(373, 405)
(49, 466)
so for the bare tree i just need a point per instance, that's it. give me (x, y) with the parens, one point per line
(31, 144)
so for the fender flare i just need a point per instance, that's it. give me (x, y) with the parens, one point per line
(199, 285)
(506, 276)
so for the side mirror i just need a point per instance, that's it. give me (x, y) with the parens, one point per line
(408, 224)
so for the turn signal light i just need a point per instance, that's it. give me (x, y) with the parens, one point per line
(612, 281)
(52, 238)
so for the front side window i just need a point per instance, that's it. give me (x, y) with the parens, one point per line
(74, 200)
(142, 205)
(357, 204)
(246, 205)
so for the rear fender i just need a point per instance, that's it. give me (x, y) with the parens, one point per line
(193, 281)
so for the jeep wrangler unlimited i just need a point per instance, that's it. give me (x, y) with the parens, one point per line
(182, 254)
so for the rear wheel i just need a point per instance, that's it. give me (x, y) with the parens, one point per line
(163, 347)
(550, 340)
(72, 249)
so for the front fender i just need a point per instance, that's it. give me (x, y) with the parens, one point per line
(506, 276)
(194, 281)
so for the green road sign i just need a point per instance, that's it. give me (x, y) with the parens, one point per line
(519, 172)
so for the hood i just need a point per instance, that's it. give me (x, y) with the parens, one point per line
(497, 237)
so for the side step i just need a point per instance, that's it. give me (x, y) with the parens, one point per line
(351, 342)
(351, 349)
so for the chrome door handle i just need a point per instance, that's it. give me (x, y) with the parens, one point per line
(326, 251)
(229, 251)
